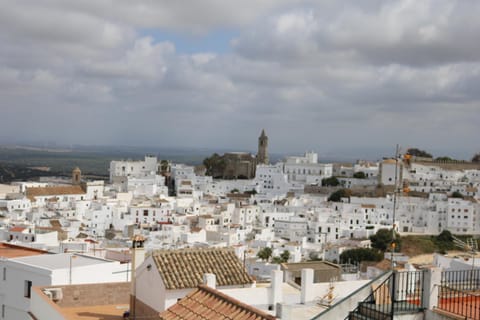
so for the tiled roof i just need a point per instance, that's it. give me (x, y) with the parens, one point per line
(55, 223)
(13, 251)
(185, 268)
(208, 303)
(53, 191)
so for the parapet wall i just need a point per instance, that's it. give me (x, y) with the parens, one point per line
(94, 294)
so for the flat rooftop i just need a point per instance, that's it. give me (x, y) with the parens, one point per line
(105, 312)
(105, 301)
(61, 261)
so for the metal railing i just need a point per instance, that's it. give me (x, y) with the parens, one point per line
(465, 280)
(400, 293)
(459, 293)
(378, 304)
(459, 302)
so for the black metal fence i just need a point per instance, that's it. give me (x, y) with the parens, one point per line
(459, 293)
(408, 290)
(400, 293)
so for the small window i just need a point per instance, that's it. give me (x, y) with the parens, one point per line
(4, 273)
(27, 289)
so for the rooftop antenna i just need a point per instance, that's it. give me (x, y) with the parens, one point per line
(394, 206)
(470, 246)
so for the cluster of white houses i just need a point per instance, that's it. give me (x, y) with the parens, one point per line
(71, 227)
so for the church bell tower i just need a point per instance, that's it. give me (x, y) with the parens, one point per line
(262, 154)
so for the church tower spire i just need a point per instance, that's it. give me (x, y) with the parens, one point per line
(262, 154)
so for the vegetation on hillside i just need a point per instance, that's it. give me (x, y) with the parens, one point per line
(330, 182)
(476, 158)
(215, 165)
(384, 238)
(419, 153)
(339, 194)
(358, 255)
(359, 175)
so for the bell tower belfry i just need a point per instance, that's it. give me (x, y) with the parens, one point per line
(262, 154)
(76, 176)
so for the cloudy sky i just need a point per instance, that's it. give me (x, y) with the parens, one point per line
(317, 75)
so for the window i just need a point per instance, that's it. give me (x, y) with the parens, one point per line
(145, 213)
(27, 289)
(4, 273)
(3, 311)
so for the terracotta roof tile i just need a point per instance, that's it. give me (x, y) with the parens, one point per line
(53, 191)
(13, 251)
(185, 268)
(208, 303)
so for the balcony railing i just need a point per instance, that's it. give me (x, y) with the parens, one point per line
(400, 293)
(459, 293)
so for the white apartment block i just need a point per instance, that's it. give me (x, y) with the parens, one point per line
(294, 229)
(130, 168)
(246, 216)
(299, 168)
(152, 212)
(270, 179)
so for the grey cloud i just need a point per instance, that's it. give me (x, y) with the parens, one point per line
(312, 73)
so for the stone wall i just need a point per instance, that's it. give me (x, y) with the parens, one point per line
(94, 294)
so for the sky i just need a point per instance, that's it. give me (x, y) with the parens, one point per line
(320, 75)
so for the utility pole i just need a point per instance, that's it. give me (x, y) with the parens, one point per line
(395, 188)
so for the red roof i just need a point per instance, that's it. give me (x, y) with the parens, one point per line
(208, 303)
(8, 250)
(17, 229)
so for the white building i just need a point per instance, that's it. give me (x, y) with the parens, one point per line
(270, 179)
(299, 168)
(130, 168)
(20, 274)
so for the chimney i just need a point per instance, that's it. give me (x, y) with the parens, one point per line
(307, 286)
(138, 256)
(276, 287)
(210, 280)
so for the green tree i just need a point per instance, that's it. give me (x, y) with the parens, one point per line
(164, 166)
(339, 194)
(265, 253)
(444, 158)
(419, 153)
(330, 182)
(457, 194)
(476, 158)
(444, 241)
(445, 236)
(383, 239)
(277, 260)
(359, 175)
(285, 255)
(360, 254)
(214, 165)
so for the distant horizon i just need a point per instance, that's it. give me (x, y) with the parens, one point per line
(347, 155)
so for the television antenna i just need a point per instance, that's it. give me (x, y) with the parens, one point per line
(470, 246)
